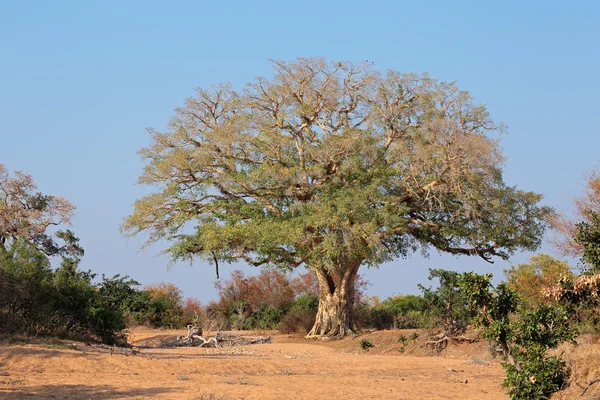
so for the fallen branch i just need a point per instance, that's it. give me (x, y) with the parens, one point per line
(219, 340)
(590, 383)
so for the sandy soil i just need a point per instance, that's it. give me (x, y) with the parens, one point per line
(290, 368)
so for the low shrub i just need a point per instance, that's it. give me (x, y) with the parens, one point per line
(366, 344)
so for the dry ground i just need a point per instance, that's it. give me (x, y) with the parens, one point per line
(290, 368)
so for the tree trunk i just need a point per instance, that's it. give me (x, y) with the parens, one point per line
(336, 300)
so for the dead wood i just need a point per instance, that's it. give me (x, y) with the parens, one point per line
(590, 383)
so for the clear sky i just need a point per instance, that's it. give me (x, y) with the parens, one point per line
(81, 80)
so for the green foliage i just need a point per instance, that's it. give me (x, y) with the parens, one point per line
(588, 236)
(524, 334)
(404, 340)
(366, 344)
(403, 312)
(402, 305)
(164, 309)
(332, 166)
(447, 305)
(266, 317)
(301, 316)
(301, 164)
(306, 302)
(377, 317)
(37, 300)
(540, 376)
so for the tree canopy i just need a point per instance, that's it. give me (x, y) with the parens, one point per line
(332, 166)
(30, 215)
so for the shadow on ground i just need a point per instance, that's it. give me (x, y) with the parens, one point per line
(45, 392)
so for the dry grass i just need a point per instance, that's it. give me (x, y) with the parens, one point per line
(585, 367)
(212, 396)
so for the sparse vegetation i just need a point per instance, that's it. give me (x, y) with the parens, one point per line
(330, 166)
(213, 396)
(366, 344)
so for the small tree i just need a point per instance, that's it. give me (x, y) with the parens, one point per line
(332, 166)
(523, 334)
(447, 304)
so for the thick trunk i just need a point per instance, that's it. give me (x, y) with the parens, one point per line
(336, 300)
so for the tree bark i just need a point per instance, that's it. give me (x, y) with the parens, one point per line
(336, 300)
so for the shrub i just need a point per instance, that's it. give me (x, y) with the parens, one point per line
(447, 305)
(524, 334)
(366, 345)
(301, 316)
(66, 302)
(266, 317)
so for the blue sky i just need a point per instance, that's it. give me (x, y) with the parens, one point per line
(80, 82)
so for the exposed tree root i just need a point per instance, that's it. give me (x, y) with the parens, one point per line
(440, 341)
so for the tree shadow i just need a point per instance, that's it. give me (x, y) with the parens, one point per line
(41, 352)
(46, 392)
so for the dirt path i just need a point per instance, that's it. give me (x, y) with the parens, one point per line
(283, 370)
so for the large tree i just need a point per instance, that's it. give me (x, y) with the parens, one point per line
(332, 166)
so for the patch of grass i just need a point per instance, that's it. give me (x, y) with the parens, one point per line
(413, 336)
(402, 339)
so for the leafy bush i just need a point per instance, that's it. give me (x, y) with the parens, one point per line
(588, 237)
(525, 335)
(447, 305)
(66, 302)
(377, 317)
(266, 317)
(301, 316)
(366, 345)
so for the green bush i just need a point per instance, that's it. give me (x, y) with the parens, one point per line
(301, 316)
(524, 334)
(366, 344)
(66, 302)
(266, 317)
(447, 305)
(540, 376)
(374, 317)
(403, 312)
